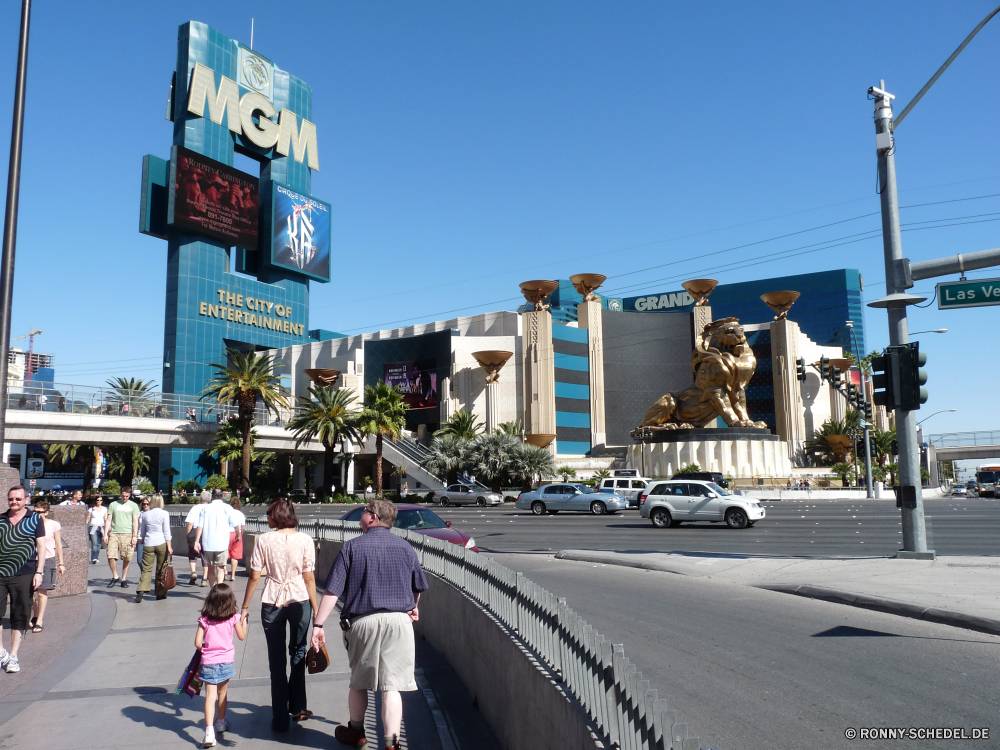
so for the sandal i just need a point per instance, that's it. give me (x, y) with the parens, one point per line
(302, 715)
(37, 628)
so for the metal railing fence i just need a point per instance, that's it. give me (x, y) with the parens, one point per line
(964, 439)
(628, 713)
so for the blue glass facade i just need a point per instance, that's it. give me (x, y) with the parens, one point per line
(209, 308)
(572, 380)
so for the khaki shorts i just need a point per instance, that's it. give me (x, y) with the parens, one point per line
(120, 546)
(380, 651)
(219, 558)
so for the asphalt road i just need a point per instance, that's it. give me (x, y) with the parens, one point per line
(751, 669)
(823, 528)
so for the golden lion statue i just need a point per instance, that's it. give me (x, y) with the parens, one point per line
(723, 365)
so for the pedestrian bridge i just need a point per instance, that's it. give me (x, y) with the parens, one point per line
(46, 413)
(954, 446)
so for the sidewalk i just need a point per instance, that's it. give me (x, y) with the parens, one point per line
(113, 684)
(959, 591)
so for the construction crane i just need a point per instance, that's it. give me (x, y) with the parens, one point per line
(29, 362)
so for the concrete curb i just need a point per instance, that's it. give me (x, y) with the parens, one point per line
(889, 606)
(809, 591)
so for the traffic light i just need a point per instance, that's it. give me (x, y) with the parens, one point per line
(885, 377)
(800, 369)
(835, 377)
(824, 369)
(867, 407)
(852, 394)
(911, 377)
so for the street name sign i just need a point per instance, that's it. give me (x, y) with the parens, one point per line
(980, 293)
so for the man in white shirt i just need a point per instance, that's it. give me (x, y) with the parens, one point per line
(212, 538)
(77, 499)
(192, 531)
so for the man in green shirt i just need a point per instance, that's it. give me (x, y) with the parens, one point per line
(121, 531)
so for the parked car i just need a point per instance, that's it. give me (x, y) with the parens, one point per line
(552, 498)
(627, 487)
(672, 503)
(463, 494)
(959, 489)
(423, 521)
(704, 476)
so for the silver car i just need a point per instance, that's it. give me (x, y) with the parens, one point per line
(462, 494)
(672, 503)
(552, 498)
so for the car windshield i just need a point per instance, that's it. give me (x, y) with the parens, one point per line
(418, 519)
(585, 489)
(717, 489)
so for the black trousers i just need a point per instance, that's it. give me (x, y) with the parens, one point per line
(287, 628)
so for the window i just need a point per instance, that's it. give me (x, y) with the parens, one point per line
(455, 488)
(418, 519)
(355, 515)
(676, 489)
(638, 485)
(697, 490)
(609, 484)
(623, 484)
(660, 489)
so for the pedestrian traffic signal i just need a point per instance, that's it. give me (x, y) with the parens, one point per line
(800, 369)
(824, 369)
(911, 377)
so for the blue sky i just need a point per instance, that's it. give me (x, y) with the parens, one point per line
(468, 147)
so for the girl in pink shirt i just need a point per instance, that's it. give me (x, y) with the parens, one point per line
(219, 618)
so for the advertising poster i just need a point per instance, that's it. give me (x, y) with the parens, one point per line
(417, 381)
(212, 199)
(301, 234)
(35, 468)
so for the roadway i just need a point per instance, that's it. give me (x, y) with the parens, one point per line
(760, 670)
(820, 528)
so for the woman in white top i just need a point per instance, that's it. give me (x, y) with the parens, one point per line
(154, 531)
(236, 535)
(96, 517)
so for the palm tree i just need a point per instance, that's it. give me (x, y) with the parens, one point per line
(601, 475)
(250, 378)
(531, 463)
(328, 417)
(135, 392)
(446, 457)
(462, 425)
(514, 428)
(492, 457)
(820, 447)
(139, 461)
(566, 472)
(170, 472)
(62, 453)
(383, 416)
(882, 444)
(227, 445)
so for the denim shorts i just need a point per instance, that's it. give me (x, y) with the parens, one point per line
(213, 674)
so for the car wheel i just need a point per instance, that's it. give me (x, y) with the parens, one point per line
(736, 518)
(660, 518)
(444, 502)
(598, 508)
(481, 502)
(538, 507)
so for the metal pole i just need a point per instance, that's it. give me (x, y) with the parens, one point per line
(10, 215)
(868, 444)
(914, 530)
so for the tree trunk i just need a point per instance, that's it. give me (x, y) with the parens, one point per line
(245, 466)
(329, 483)
(378, 466)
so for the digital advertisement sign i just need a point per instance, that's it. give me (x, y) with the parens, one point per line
(209, 198)
(300, 240)
(417, 381)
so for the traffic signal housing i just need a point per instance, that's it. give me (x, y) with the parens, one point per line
(867, 407)
(824, 369)
(911, 377)
(835, 377)
(800, 369)
(885, 377)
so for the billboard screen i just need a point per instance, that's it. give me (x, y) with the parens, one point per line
(300, 240)
(417, 381)
(209, 198)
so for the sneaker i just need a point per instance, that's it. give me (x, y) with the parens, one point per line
(124, 584)
(194, 580)
(209, 737)
(4, 658)
(113, 582)
(348, 735)
(203, 583)
(222, 725)
(138, 596)
(93, 562)
(12, 665)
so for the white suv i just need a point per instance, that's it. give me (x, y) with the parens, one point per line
(670, 503)
(628, 487)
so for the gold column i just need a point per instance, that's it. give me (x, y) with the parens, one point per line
(539, 373)
(588, 315)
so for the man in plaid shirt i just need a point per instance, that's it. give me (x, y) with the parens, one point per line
(378, 578)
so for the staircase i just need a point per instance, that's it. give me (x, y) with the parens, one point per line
(409, 453)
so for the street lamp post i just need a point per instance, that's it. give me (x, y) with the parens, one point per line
(864, 392)
(10, 214)
(943, 411)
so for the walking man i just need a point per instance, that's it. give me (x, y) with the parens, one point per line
(211, 539)
(22, 558)
(379, 579)
(192, 532)
(121, 532)
(77, 499)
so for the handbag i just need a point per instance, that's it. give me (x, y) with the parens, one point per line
(190, 683)
(317, 661)
(166, 579)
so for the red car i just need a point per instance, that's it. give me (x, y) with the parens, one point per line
(423, 521)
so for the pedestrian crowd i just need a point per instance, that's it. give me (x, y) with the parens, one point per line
(376, 578)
